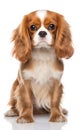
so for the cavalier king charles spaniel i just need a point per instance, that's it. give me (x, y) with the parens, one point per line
(40, 41)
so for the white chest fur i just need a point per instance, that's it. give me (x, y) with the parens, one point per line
(44, 68)
(42, 76)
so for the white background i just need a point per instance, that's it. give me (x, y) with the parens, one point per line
(11, 13)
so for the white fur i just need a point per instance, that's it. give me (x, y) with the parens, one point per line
(10, 113)
(41, 93)
(22, 120)
(41, 14)
(42, 75)
(44, 69)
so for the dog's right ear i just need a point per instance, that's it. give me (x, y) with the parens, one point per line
(21, 40)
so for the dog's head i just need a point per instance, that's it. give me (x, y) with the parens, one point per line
(42, 29)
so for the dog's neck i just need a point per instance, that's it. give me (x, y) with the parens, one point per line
(43, 54)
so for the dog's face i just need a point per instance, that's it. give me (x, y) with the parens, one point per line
(42, 29)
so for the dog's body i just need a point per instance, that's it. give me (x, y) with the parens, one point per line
(42, 70)
(38, 84)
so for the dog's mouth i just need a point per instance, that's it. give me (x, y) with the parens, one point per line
(42, 44)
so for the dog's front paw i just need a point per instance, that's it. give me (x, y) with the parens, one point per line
(11, 113)
(60, 118)
(22, 119)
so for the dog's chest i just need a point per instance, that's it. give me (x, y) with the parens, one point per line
(41, 73)
(43, 69)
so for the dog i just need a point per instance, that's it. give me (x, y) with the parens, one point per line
(41, 41)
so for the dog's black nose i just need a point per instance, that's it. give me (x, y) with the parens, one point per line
(42, 33)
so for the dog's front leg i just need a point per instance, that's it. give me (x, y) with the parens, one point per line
(56, 114)
(24, 103)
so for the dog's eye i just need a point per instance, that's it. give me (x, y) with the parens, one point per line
(33, 27)
(51, 27)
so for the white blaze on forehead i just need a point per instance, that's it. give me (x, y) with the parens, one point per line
(47, 40)
(41, 14)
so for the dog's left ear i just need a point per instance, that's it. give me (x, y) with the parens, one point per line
(63, 46)
(21, 41)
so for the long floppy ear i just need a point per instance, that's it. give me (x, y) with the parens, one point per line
(63, 47)
(21, 40)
